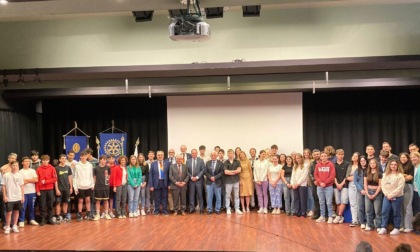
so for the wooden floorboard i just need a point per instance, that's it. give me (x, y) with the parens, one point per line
(249, 232)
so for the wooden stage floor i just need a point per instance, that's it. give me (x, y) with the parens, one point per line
(248, 232)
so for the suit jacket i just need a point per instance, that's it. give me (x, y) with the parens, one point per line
(154, 174)
(218, 172)
(198, 169)
(174, 175)
(173, 160)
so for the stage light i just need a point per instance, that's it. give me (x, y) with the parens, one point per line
(216, 12)
(251, 11)
(228, 82)
(143, 16)
(3, 2)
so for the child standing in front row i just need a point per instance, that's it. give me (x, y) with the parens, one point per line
(101, 174)
(63, 189)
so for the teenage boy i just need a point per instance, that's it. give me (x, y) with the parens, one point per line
(341, 190)
(111, 165)
(71, 162)
(45, 189)
(94, 163)
(8, 167)
(325, 176)
(101, 175)
(29, 180)
(35, 161)
(83, 185)
(13, 196)
(370, 153)
(63, 189)
(232, 168)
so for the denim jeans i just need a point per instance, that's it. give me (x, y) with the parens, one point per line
(235, 188)
(310, 201)
(395, 205)
(262, 192)
(407, 210)
(353, 201)
(214, 190)
(145, 203)
(373, 209)
(361, 214)
(325, 195)
(28, 204)
(133, 198)
(288, 198)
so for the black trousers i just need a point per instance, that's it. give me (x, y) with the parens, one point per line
(301, 198)
(46, 201)
(316, 201)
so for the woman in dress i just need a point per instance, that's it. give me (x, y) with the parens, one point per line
(246, 188)
(275, 173)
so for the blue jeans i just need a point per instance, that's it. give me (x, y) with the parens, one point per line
(214, 190)
(325, 194)
(396, 206)
(29, 204)
(310, 202)
(133, 198)
(373, 209)
(235, 188)
(288, 198)
(361, 214)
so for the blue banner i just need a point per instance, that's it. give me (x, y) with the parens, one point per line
(76, 144)
(113, 144)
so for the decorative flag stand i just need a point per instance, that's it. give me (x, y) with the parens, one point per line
(112, 143)
(75, 143)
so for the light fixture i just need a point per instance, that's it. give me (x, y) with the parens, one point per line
(143, 16)
(313, 87)
(326, 78)
(216, 12)
(126, 86)
(228, 82)
(21, 79)
(4, 2)
(251, 11)
(5, 79)
(37, 79)
(150, 91)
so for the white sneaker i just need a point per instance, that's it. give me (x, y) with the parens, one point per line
(21, 224)
(112, 215)
(368, 228)
(107, 217)
(265, 210)
(143, 212)
(402, 229)
(341, 220)
(248, 210)
(320, 219)
(407, 230)
(378, 229)
(97, 217)
(363, 226)
(336, 219)
(334, 214)
(228, 211)
(330, 220)
(274, 211)
(260, 211)
(278, 211)
(34, 223)
(395, 232)
(137, 212)
(103, 215)
(130, 215)
(310, 214)
(237, 211)
(383, 231)
(7, 230)
(15, 229)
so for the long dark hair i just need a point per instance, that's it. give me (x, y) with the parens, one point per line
(360, 170)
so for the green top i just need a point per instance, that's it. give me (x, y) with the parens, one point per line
(134, 176)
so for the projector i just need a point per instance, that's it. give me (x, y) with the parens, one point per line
(189, 28)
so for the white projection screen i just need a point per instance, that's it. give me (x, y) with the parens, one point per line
(240, 120)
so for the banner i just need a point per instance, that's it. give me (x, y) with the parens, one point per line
(113, 144)
(76, 144)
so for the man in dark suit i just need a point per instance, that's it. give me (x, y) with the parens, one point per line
(178, 175)
(168, 162)
(195, 185)
(185, 155)
(214, 174)
(158, 183)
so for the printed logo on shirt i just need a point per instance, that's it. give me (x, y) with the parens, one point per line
(324, 169)
(63, 172)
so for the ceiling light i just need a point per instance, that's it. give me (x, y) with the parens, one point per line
(3, 2)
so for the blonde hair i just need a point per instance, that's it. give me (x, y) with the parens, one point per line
(297, 164)
(399, 167)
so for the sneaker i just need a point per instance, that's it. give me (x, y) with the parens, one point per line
(378, 229)
(353, 224)
(336, 219)
(124, 216)
(97, 217)
(342, 220)
(112, 215)
(21, 224)
(33, 223)
(228, 211)
(137, 212)
(260, 211)
(143, 213)
(407, 230)
(7, 230)
(320, 219)
(120, 216)
(274, 211)
(363, 226)
(15, 229)
(265, 210)
(334, 214)
(79, 217)
(310, 213)
(103, 215)
(278, 211)
(59, 219)
(130, 215)
(248, 210)
(54, 219)
(368, 228)
(383, 231)
(107, 217)
(402, 229)
(238, 212)
(395, 231)
(68, 216)
(330, 220)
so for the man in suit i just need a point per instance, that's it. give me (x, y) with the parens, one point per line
(170, 161)
(195, 185)
(185, 155)
(178, 175)
(158, 183)
(214, 174)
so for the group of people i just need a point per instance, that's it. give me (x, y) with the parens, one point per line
(380, 190)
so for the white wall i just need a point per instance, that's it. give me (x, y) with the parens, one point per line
(247, 120)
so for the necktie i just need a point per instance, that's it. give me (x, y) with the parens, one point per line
(212, 165)
(183, 158)
(161, 169)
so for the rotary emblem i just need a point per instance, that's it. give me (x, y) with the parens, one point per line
(113, 147)
(76, 148)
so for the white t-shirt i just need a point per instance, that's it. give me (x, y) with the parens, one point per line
(28, 174)
(13, 181)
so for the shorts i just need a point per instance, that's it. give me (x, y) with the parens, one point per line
(64, 197)
(341, 197)
(14, 206)
(102, 194)
(84, 193)
(111, 192)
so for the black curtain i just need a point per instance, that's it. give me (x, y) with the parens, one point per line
(353, 119)
(18, 133)
(139, 117)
